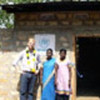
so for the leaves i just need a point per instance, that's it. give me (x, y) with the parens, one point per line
(7, 20)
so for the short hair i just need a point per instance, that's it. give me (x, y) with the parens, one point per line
(63, 50)
(31, 39)
(50, 50)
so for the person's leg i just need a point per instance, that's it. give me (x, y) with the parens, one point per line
(66, 97)
(59, 97)
(23, 86)
(31, 87)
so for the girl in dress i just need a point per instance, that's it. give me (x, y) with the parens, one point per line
(63, 77)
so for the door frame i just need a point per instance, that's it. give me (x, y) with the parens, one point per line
(74, 77)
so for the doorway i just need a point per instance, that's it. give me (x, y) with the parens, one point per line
(88, 66)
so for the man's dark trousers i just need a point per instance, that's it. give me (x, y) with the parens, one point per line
(27, 86)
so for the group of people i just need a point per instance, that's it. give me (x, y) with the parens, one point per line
(55, 74)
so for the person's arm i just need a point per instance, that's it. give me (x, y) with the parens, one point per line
(41, 76)
(56, 69)
(70, 74)
(19, 58)
(39, 64)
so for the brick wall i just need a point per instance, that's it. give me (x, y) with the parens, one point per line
(29, 20)
(63, 25)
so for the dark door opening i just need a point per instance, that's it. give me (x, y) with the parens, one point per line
(88, 64)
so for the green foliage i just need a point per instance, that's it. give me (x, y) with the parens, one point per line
(7, 20)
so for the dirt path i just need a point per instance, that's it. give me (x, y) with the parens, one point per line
(88, 98)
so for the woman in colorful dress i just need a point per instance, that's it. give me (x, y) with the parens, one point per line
(47, 77)
(63, 77)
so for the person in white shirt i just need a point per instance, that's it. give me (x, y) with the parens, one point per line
(30, 63)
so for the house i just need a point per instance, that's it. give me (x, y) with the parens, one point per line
(76, 26)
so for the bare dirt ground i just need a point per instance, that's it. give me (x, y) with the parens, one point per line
(88, 98)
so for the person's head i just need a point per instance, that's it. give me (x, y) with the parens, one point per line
(63, 53)
(49, 53)
(31, 43)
